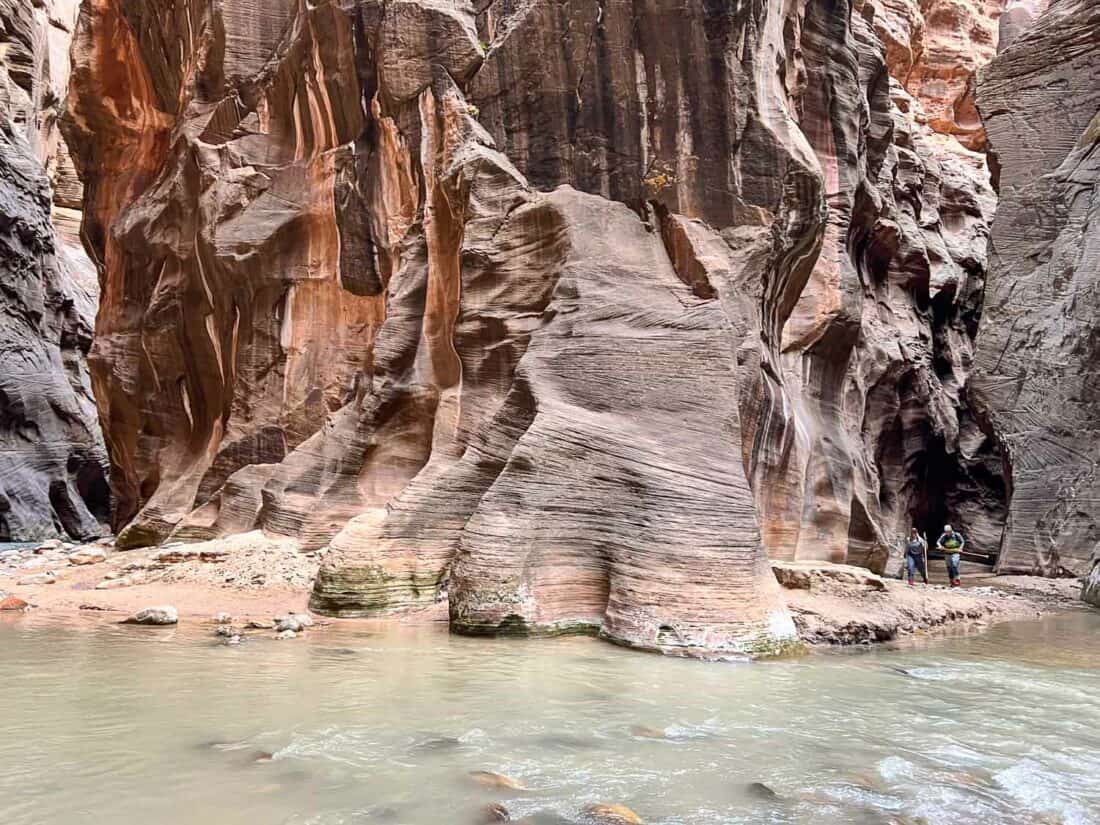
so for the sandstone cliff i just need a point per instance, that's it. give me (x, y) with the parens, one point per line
(1038, 349)
(52, 460)
(573, 311)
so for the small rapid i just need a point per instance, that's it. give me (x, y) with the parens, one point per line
(128, 725)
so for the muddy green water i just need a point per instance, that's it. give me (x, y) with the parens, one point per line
(125, 725)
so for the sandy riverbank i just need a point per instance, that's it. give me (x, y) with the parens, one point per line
(254, 577)
(249, 577)
(842, 605)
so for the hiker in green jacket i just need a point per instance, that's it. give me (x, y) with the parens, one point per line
(952, 543)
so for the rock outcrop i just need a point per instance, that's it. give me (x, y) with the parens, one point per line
(1039, 352)
(935, 47)
(1090, 590)
(52, 459)
(572, 312)
(34, 78)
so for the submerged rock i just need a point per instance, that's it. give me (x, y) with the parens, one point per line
(602, 814)
(489, 779)
(646, 732)
(493, 812)
(758, 790)
(160, 615)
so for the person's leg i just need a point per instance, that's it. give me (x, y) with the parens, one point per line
(910, 564)
(953, 563)
(923, 570)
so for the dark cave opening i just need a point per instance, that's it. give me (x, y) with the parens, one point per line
(964, 488)
(933, 474)
(91, 484)
(66, 517)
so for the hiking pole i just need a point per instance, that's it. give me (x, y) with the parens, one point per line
(924, 572)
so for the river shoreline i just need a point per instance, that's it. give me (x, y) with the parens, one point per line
(250, 579)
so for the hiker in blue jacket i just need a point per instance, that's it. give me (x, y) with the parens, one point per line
(914, 556)
(952, 543)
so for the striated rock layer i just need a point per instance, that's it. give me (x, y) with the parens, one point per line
(52, 459)
(572, 312)
(1038, 354)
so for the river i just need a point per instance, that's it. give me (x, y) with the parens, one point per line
(125, 725)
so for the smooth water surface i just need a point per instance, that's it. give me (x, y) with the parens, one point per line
(127, 725)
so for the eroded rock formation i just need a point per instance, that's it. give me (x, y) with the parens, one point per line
(1039, 353)
(52, 460)
(571, 311)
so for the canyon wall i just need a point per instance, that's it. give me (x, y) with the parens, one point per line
(574, 312)
(1038, 348)
(52, 459)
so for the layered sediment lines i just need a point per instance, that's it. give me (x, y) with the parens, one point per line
(1038, 352)
(572, 313)
(53, 465)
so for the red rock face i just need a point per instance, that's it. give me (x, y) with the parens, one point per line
(934, 48)
(572, 312)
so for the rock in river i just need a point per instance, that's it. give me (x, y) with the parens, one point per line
(489, 779)
(601, 814)
(13, 603)
(493, 812)
(161, 615)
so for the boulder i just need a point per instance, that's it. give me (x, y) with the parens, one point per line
(87, 555)
(804, 575)
(120, 582)
(37, 579)
(160, 615)
(13, 603)
(296, 622)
